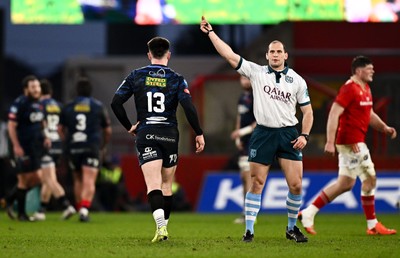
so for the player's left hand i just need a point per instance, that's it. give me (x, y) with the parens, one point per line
(299, 143)
(132, 131)
(390, 131)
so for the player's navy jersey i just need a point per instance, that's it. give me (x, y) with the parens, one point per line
(52, 111)
(245, 109)
(157, 90)
(84, 118)
(28, 114)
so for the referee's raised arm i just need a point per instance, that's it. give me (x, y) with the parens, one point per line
(222, 48)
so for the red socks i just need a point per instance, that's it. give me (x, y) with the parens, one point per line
(83, 204)
(368, 204)
(321, 200)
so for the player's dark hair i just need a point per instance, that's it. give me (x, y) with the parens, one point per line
(359, 61)
(27, 79)
(158, 47)
(46, 87)
(84, 87)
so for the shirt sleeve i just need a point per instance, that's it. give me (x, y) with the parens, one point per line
(125, 90)
(344, 96)
(13, 112)
(303, 98)
(183, 90)
(247, 68)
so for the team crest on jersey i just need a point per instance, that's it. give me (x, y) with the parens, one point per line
(156, 82)
(160, 73)
(288, 79)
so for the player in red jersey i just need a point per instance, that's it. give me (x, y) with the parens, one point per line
(348, 121)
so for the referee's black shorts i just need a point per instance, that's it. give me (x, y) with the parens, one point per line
(158, 143)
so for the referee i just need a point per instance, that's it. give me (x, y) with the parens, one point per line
(276, 89)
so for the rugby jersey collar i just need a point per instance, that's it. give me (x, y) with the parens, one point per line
(278, 74)
(158, 65)
(284, 71)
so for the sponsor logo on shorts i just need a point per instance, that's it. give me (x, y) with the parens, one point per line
(149, 153)
(173, 158)
(353, 161)
(159, 138)
(253, 153)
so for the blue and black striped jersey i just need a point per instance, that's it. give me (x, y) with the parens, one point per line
(84, 118)
(157, 90)
(28, 114)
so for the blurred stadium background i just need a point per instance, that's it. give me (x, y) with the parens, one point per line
(106, 39)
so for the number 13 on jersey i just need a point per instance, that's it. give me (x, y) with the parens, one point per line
(159, 106)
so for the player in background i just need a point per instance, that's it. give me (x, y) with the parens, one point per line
(25, 128)
(85, 125)
(157, 91)
(276, 89)
(245, 124)
(50, 184)
(347, 126)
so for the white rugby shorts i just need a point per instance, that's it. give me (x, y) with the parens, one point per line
(355, 164)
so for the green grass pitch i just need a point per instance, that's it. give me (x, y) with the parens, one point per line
(193, 235)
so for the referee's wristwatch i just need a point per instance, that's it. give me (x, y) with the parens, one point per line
(306, 136)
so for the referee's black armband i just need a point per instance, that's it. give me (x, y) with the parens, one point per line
(117, 106)
(191, 115)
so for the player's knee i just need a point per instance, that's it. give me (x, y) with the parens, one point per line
(367, 189)
(257, 185)
(295, 188)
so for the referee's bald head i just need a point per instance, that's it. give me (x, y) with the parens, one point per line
(158, 47)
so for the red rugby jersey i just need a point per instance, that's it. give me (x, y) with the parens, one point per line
(354, 121)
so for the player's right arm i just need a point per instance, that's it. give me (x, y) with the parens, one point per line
(332, 126)
(222, 48)
(12, 132)
(235, 134)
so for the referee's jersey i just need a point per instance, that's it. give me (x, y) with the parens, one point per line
(275, 93)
